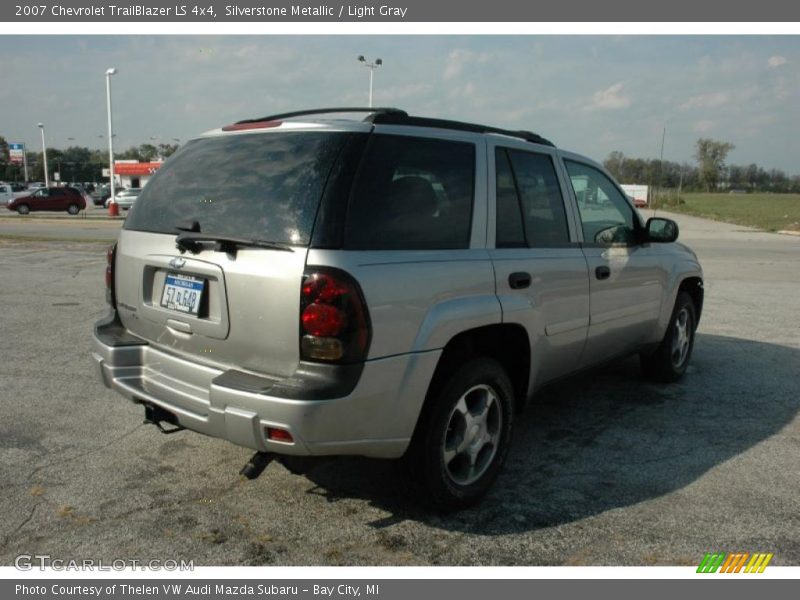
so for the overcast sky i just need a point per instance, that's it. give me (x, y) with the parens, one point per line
(590, 94)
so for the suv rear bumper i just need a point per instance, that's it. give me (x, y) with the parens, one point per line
(375, 418)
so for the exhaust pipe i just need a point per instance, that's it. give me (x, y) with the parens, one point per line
(256, 465)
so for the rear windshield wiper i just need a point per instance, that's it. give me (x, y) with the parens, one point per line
(188, 226)
(193, 242)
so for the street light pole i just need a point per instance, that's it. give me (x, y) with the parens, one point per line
(25, 162)
(44, 157)
(109, 73)
(371, 66)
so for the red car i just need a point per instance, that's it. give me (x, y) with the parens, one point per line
(54, 198)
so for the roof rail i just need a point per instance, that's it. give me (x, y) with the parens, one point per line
(395, 116)
(322, 111)
(389, 118)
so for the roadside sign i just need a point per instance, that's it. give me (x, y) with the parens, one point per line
(16, 153)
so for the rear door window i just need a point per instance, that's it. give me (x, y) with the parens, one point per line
(412, 193)
(510, 232)
(530, 206)
(263, 186)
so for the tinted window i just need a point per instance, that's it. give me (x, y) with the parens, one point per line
(412, 193)
(259, 186)
(606, 216)
(530, 209)
(509, 214)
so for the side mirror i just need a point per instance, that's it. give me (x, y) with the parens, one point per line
(661, 230)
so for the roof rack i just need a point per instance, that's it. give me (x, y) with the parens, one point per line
(323, 111)
(405, 119)
(395, 116)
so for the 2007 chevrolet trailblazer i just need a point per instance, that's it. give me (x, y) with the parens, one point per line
(395, 286)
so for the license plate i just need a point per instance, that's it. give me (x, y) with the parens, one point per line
(182, 293)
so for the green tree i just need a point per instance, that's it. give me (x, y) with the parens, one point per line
(167, 150)
(131, 153)
(148, 152)
(711, 156)
(615, 163)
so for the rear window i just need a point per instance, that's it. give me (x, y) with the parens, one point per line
(264, 187)
(412, 193)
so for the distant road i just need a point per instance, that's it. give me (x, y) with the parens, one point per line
(59, 228)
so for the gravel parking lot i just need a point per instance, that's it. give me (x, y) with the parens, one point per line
(606, 469)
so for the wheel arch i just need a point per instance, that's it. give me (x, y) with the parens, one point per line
(684, 277)
(693, 286)
(507, 343)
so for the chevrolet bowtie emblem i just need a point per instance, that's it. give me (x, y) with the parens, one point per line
(177, 262)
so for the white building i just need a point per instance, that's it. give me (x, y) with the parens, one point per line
(134, 174)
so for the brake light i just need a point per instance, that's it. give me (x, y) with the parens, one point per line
(334, 322)
(251, 125)
(324, 320)
(110, 256)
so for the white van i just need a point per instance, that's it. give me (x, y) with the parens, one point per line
(6, 193)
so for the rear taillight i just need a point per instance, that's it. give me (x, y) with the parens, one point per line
(110, 256)
(334, 322)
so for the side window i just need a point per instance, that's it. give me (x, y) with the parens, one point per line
(606, 216)
(530, 207)
(412, 194)
(509, 215)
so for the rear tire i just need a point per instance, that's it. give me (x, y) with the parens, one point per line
(669, 361)
(73, 209)
(464, 436)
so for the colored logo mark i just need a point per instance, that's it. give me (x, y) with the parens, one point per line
(734, 562)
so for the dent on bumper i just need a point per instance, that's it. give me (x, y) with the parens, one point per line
(377, 418)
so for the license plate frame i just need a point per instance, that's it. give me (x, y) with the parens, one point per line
(177, 294)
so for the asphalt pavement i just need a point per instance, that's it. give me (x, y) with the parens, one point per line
(91, 225)
(605, 469)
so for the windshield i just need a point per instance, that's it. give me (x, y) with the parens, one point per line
(256, 186)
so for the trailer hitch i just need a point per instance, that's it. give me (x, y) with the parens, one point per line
(155, 415)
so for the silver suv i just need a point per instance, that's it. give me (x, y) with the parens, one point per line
(310, 284)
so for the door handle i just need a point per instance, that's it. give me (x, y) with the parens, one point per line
(519, 280)
(602, 272)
